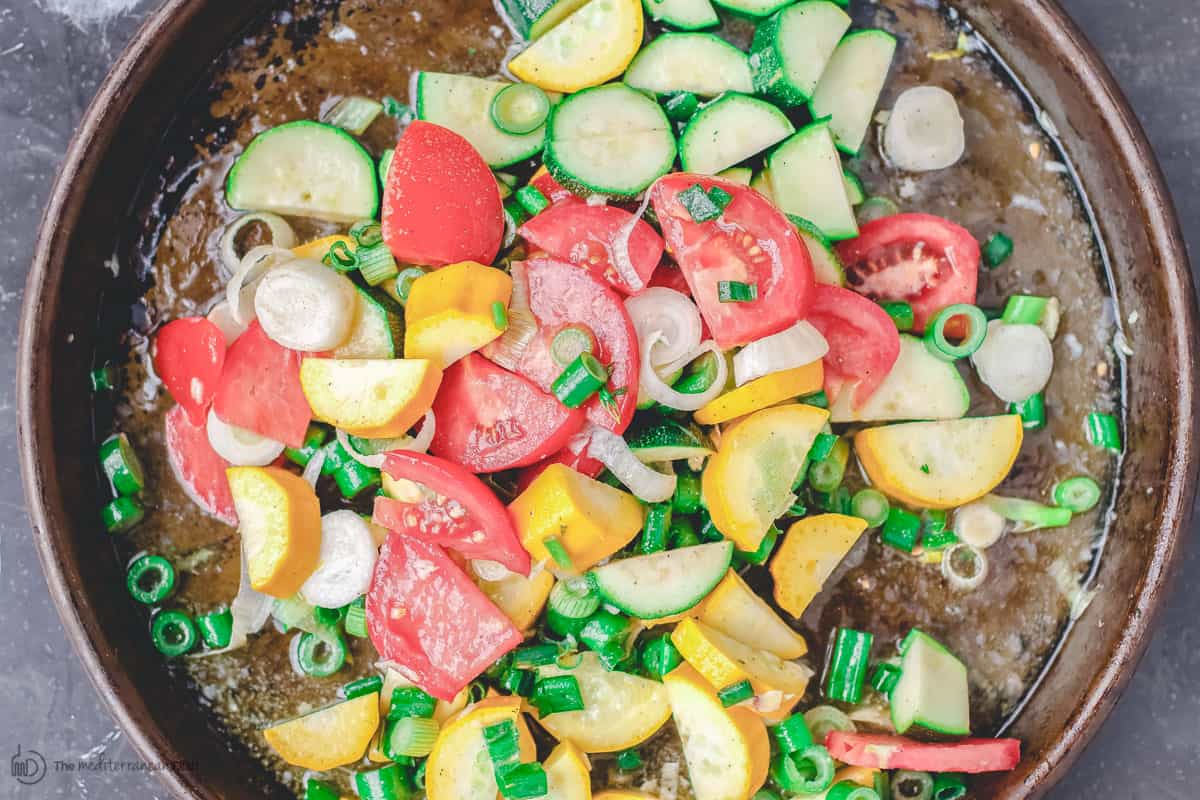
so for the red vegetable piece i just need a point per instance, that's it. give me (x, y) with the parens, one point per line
(881, 751)
(189, 354)
(441, 204)
(425, 614)
(587, 235)
(863, 340)
(197, 467)
(490, 419)
(451, 508)
(260, 389)
(551, 189)
(926, 261)
(751, 242)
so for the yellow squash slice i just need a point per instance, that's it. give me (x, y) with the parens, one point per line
(376, 399)
(459, 768)
(724, 661)
(762, 393)
(521, 599)
(328, 738)
(734, 609)
(568, 774)
(808, 554)
(279, 518)
(588, 48)
(449, 311)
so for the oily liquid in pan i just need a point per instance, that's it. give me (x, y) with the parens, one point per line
(300, 60)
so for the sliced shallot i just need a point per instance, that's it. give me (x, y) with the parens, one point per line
(925, 130)
(306, 306)
(417, 444)
(654, 387)
(282, 236)
(673, 315)
(238, 446)
(790, 348)
(1015, 361)
(646, 484)
(347, 561)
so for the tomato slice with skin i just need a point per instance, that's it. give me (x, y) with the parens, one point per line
(189, 355)
(441, 204)
(572, 230)
(260, 389)
(751, 242)
(450, 507)
(427, 616)
(551, 189)
(923, 260)
(882, 751)
(863, 340)
(490, 419)
(197, 467)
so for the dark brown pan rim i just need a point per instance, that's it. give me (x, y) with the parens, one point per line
(1049, 25)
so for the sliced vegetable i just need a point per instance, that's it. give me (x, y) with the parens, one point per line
(521, 599)
(669, 64)
(327, 738)
(791, 49)
(827, 267)
(762, 393)
(280, 524)
(730, 130)
(668, 441)
(1015, 360)
(924, 130)
(529, 19)
(592, 45)
(919, 386)
(347, 560)
(189, 354)
(367, 397)
(377, 331)
(459, 767)
(850, 85)
(806, 181)
(793, 347)
(847, 670)
(810, 552)
(568, 773)
(724, 661)
(932, 690)
(663, 583)
(736, 610)
(463, 104)
(683, 15)
(449, 312)
(863, 342)
(896, 752)
(260, 389)
(752, 8)
(304, 305)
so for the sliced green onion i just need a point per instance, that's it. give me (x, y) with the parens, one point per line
(1027, 514)
(173, 633)
(682, 534)
(870, 505)
(874, 208)
(912, 785)
(902, 529)
(366, 233)
(1032, 411)
(320, 790)
(1103, 430)
(935, 332)
(763, 552)
(701, 374)
(949, 786)
(341, 257)
(150, 579)
(556, 694)
(708, 529)
(605, 630)
(826, 474)
(558, 552)
(385, 783)
(884, 678)
(318, 657)
(410, 736)
(377, 264)
(363, 686)
(354, 478)
(699, 205)
(629, 760)
(518, 682)
(901, 314)
(1079, 494)
(659, 656)
(531, 200)
(520, 108)
(849, 790)
(122, 466)
(808, 771)
(216, 628)
(535, 655)
(799, 509)
(823, 719)
(680, 106)
(687, 493)
(122, 514)
(735, 693)
(654, 531)
(1024, 309)
(848, 665)
(314, 438)
(721, 198)
(822, 446)
(573, 599)
(353, 114)
(817, 400)
(793, 734)
(570, 343)
(564, 626)
(394, 108)
(579, 381)
(522, 781)
(103, 378)
(997, 249)
(404, 281)
(419, 776)
(327, 617)
(964, 566)
(411, 701)
(356, 618)
(499, 316)
(765, 794)
(736, 292)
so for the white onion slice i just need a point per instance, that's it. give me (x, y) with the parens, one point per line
(491, 571)
(1015, 361)
(282, 236)
(222, 317)
(240, 290)
(250, 610)
(347, 561)
(416, 444)
(794, 347)
(660, 392)
(620, 246)
(508, 350)
(961, 580)
(304, 305)
(673, 315)
(312, 470)
(238, 446)
(979, 525)
(646, 484)
(925, 130)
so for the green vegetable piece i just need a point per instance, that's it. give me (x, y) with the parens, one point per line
(807, 771)
(735, 693)
(1079, 494)
(356, 618)
(848, 665)
(884, 678)
(556, 694)
(699, 205)
(411, 701)
(1032, 412)
(1103, 430)
(654, 531)
(997, 249)
(216, 628)
(173, 633)
(901, 314)
(385, 783)
(902, 529)
(532, 201)
(150, 579)
(935, 332)
(870, 505)
(318, 657)
(629, 760)
(659, 656)
(1024, 309)
(122, 466)
(357, 688)
(736, 292)
(122, 514)
(680, 106)
(579, 381)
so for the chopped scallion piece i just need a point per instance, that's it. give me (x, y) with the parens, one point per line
(318, 657)
(822, 446)
(122, 515)
(736, 292)
(535, 655)
(531, 199)
(807, 771)
(1079, 494)
(394, 108)
(173, 633)
(901, 314)
(518, 682)
(902, 529)
(570, 343)
(909, 783)
(327, 617)
(122, 466)
(411, 701)
(654, 531)
(793, 734)
(522, 781)
(103, 378)
(580, 381)
(629, 760)
(558, 552)
(735, 693)
(687, 493)
(353, 114)
(150, 579)
(848, 665)
(368, 685)
(216, 628)
(503, 743)
(320, 790)
(1027, 514)
(356, 618)
(817, 400)
(940, 540)
(412, 737)
(604, 631)
(314, 438)
(376, 263)
(353, 478)
(366, 233)
(826, 474)
(682, 534)
(680, 106)
(997, 249)
(1103, 430)
(699, 204)
(883, 680)
(1024, 309)
(385, 783)
(520, 108)
(341, 257)
(404, 281)
(499, 316)
(763, 552)
(935, 332)
(949, 786)
(1032, 412)
(721, 198)
(870, 505)
(556, 694)
(659, 656)
(849, 790)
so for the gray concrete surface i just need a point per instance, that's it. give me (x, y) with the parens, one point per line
(53, 54)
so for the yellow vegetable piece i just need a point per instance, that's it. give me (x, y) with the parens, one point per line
(318, 248)
(942, 464)
(724, 661)
(592, 520)
(377, 399)
(279, 518)
(625, 794)
(748, 483)
(449, 311)
(763, 393)
(568, 774)
(376, 332)
(521, 599)
(459, 767)
(736, 610)
(863, 776)
(620, 710)
(328, 738)
(726, 749)
(393, 680)
(588, 48)
(808, 553)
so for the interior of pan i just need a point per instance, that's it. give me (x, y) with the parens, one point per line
(93, 225)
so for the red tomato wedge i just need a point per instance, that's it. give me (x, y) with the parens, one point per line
(441, 204)
(551, 189)
(863, 340)
(260, 389)
(197, 467)
(189, 354)
(880, 751)
(450, 507)
(425, 614)
(926, 261)
(571, 230)
(561, 295)
(751, 242)
(490, 419)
